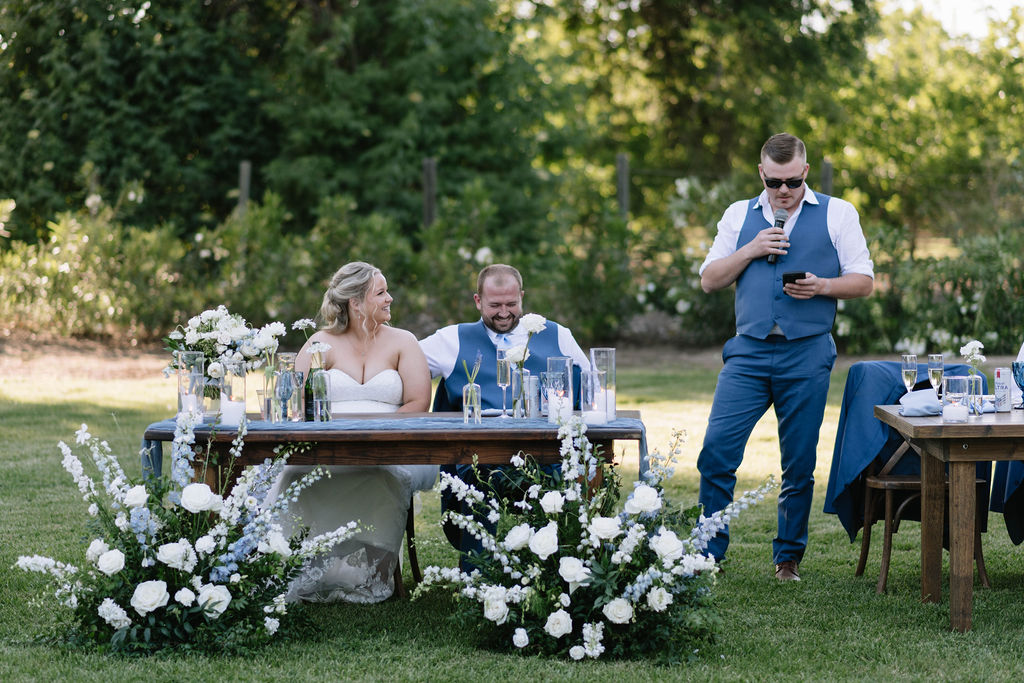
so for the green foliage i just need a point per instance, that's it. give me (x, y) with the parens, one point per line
(938, 304)
(93, 276)
(101, 95)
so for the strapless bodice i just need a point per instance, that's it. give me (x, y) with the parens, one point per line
(382, 393)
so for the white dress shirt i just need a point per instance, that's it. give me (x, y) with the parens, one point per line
(442, 347)
(843, 227)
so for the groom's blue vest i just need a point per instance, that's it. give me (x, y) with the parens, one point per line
(760, 303)
(472, 338)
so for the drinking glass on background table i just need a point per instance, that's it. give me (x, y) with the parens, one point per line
(935, 369)
(504, 376)
(909, 369)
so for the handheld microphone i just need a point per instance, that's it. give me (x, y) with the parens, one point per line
(780, 220)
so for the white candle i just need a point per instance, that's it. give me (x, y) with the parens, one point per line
(609, 398)
(189, 403)
(595, 417)
(954, 412)
(559, 407)
(231, 412)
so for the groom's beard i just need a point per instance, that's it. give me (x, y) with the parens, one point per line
(502, 325)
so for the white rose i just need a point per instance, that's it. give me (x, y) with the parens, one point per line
(658, 599)
(644, 499)
(518, 536)
(199, 498)
(148, 596)
(605, 528)
(215, 369)
(573, 571)
(551, 502)
(136, 496)
(532, 323)
(558, 624)
(517, 354)
(520, 638)
(185, 596)
(667, 546)
(545, 541)
(275, 542)
(174, 555)
(577, 652)
(618, 611)
(110, 562)
(496, 611)
(271, 624)
(214, 599)
(95, 549)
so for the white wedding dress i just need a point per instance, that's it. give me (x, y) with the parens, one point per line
(362, 568)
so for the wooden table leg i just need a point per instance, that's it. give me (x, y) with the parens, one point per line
(933, 500)
(961, 544)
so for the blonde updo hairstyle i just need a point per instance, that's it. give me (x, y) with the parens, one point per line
(352, 282)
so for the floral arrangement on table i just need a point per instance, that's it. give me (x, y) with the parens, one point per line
(222, 336)
(564, 574)
(171, 563)
(972, 355)
(532, 323)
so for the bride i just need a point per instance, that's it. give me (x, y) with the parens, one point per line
(372, 367)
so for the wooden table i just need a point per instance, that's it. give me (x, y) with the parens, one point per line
(992, 436)
(385, 439)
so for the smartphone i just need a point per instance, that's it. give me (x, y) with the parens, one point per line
(791, 277)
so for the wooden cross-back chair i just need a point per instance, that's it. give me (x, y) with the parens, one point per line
(898, 491)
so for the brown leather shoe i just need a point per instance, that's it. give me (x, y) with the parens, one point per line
(787, 571)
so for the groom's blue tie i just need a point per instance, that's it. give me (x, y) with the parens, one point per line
(503, 341)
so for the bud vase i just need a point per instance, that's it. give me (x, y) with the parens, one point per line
(320, 395)
(520, 396)
(471, 403)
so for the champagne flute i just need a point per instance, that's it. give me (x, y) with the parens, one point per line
(935, 368)
(504, 376)
(909, 366)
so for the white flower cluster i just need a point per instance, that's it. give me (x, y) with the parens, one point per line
(972, 353)
(190, 546)
(562, 538)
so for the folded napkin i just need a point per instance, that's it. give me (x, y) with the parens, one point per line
(920, 403)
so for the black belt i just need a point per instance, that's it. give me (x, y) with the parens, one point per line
(776, 338)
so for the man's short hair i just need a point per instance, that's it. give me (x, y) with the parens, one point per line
(783, 148)
(499, 272)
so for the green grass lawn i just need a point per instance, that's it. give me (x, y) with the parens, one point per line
(830, 626)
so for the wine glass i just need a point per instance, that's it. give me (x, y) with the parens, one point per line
(909, 368)
(504, 376)
(1018, 376)
(935, 368)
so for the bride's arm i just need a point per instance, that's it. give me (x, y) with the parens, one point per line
(412, 366)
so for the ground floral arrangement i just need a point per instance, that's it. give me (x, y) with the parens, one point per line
(565, 575)
(174, 564)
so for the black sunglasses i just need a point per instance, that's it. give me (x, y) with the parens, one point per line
(775, 183)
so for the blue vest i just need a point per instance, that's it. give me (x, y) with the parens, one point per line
(760, 303)
(472, 338)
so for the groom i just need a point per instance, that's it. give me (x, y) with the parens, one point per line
(499, 298)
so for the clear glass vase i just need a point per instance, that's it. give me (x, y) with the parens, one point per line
(520, 395)
(471, 403)
(320, 395)
(288, 392)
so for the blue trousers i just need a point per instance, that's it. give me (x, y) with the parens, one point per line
(793, 376)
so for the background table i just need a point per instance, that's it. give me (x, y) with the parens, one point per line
(861, 439)
(992, 436)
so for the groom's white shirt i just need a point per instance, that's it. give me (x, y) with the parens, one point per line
(442, 347)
